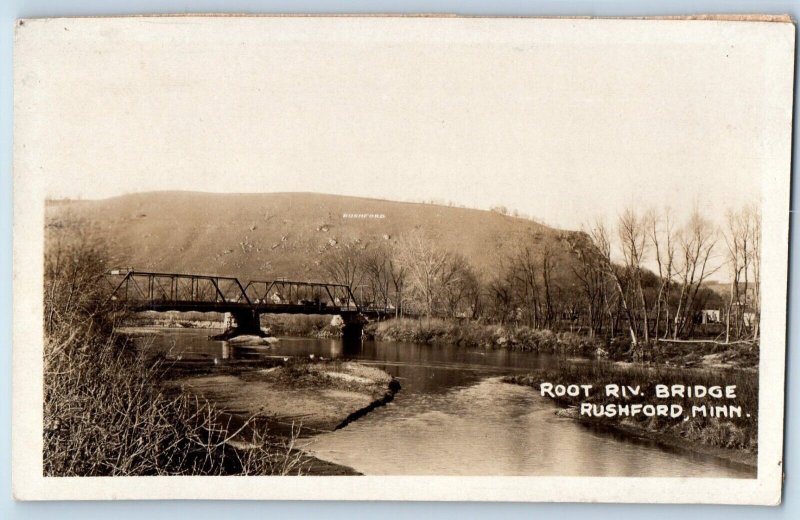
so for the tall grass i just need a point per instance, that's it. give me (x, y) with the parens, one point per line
(106, 414)
(105, 408)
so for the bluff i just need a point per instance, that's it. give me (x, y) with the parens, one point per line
(272, 235)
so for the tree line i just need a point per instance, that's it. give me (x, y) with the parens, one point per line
(668, 301)
(646, 275)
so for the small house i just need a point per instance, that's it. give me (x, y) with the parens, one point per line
(709, 316)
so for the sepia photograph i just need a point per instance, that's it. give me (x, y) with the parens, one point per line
(362, 248)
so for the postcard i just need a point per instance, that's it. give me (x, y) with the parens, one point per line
(401, 258)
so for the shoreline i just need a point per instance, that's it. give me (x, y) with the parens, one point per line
(290, 400)
(697, 353)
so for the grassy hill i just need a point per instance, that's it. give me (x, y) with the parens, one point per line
(271, 235)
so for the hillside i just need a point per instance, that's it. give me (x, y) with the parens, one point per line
(272, 235)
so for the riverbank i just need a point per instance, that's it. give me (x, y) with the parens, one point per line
(288, 398)
(308, 395)
(731, 438)
(687, 354)
(105, 408)
(471, 334)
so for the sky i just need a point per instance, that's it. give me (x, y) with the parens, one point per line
(562, 120)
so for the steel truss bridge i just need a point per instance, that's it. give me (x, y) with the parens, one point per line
(150, 291)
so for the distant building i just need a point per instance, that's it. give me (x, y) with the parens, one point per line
(746, 312)
(749, 319)
(709, 316)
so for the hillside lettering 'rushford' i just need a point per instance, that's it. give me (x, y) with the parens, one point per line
(364, 215)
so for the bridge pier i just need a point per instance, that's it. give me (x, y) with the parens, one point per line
(244, 322)
(353, 327)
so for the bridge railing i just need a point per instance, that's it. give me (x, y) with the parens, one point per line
(140, 287)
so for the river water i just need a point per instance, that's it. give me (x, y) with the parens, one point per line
(454, 416)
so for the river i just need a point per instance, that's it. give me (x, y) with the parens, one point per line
(454, 416)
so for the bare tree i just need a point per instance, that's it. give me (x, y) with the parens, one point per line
(424, 263)
(501, 296)
(662, 235)
(398, 274)
(345, 264)
(600, 239)
(548, 261)
(743, 257)
(754, 217)
(696, 243)
(457, 284)
(593, 282)
(376, 263)
(522, 278)
(632, 232)
(733, 236)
